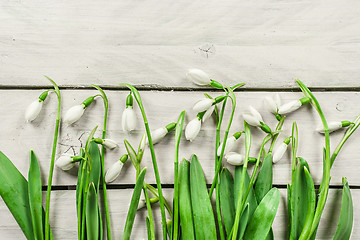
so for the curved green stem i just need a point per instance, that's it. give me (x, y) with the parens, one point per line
(151, 218)
(156, 194)
(102, 158)
(276, 134)
(51, 171)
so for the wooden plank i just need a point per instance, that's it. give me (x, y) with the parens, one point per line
(63, 216)
(18, 137)
(267, 44)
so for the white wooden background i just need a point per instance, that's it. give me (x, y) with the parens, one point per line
(266, 44)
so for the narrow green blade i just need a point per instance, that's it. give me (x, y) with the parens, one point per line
(344, 227)
(133, 205)
(14, 192)
(227, 199)
(35, 197)
(203, 215)
(92, 211)
(264, 180)
(263, 217)
(95, 164)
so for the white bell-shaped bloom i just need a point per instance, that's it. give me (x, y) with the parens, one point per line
(158, 134)
(33, 110)
(65, 162)
(109, 143)
(203, 105)
(234, 158)
(272, 104)
(193, 129)
(290, 107)
(230, 144)
(256, 114)
(251, 120)
(74, 114)
(113, 172)
(129, 119)
(198, 77)
(208, 113)
(142, 204)
(279, 152)
(333, 126)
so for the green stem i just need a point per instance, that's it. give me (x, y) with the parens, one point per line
(218, 211)
(51, 171)
(151, 219)
(102, 158)
(276, 134)
(80, 216)
(153, 157)
(156, 194)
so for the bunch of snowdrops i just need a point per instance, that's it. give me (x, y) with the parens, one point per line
(245, 203)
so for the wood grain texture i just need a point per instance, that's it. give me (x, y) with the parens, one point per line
(162, 108)
(266, 44)
(63, 214)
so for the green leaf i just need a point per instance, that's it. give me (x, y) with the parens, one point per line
(92, 211)
(131, 153)
(14, 192)
(263, 217)
(185, 211)
(203, 215)
(35, 196)
(244, 219)
(95, 172)
(264, 180)
(251, 199)
(133, 205)
(344, 227)
(303, 201)
(227, 204)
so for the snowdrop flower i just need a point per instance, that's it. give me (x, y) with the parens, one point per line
(235, 159)
(206, 103)
(114, 171)
(75, 112)
(129, 117)
(35, 107)
(66, 161)
(107, 143)
(272, 104)
(280, 150)
(293, 105)
(193, 127)
(254, 119)
(333, 126)
(208, 113)
(160, 133)
(199, 77)
(230, 144)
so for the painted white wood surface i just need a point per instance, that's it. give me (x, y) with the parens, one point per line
(63, 212)
(162, 108)
(266, 43)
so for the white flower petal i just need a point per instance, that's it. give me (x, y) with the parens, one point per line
(333, 126)
(65, 162)
(109, 143)
(158, 134)
(203, 105)
(230, 144)
(235, 159)
(279, 152)
(289, 107)
(251, 120)
(33, 110)
(277, 100)
(113, 172)
(74, 114)
(192, 129)
(208, 113)
(129, 119)
(270, 105)
(256, 114)
(198, 77)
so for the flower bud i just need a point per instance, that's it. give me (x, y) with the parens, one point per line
(198, 77)
(230, 144)
(333, 126)
(193, 129)
(251, 120)
(293, 105)
(158, 134)
(33, 110)
(272, 104)
(65, 162)
(74, 114)
(235, 159)
(129, 119)
(280, 150)
(113, 172)
(256, 114)
(109, 143)
(208, 113)
(203, 105)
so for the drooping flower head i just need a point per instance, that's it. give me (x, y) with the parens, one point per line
(129, 116)
(76, 112)
(35, 107)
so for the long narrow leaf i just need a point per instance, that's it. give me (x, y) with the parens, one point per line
(344, 227)
(264, 180)
(14, 192)
(95, 172)
(227, 199)
(35, 197)
(92, 211)
(133, 205)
